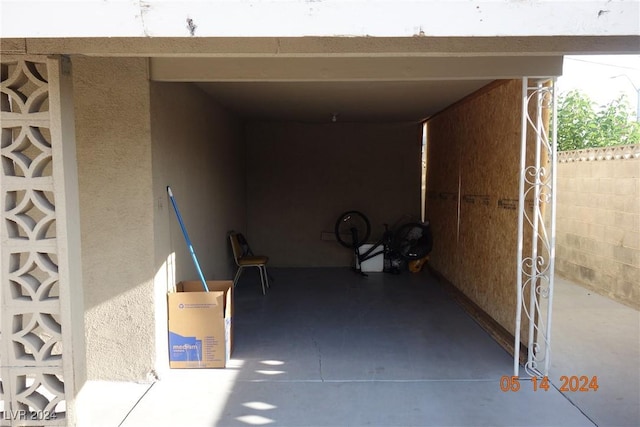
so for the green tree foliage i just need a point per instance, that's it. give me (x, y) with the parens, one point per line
(581, 125)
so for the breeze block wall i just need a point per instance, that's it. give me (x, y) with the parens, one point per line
(598, 229)
(42, 351)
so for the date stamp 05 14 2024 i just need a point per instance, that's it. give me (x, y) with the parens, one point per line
(572, 383)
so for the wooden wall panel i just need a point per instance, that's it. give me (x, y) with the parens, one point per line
(476, 145)
(443, 159)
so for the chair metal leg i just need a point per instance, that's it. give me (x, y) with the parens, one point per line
(235, 279)
(262, 280)
(266, 276)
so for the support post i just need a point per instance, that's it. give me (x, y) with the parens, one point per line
(42, 330)
(536, 225)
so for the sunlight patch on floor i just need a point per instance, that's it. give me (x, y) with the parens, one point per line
(255, 420)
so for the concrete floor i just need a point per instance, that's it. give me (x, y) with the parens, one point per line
(596, 336)
(327, 347)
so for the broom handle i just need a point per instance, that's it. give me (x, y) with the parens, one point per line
(186, 238)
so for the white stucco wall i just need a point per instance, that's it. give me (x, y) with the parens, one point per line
(116, 207)
(133, 140)
(198, 150)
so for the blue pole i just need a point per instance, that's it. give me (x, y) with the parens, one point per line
(186, 238)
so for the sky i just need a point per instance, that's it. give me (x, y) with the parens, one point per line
(602, 77)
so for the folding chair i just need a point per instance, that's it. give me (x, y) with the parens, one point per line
(244, 257)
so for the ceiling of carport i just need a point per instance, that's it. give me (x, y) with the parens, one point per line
(351, 101)
(357, 89)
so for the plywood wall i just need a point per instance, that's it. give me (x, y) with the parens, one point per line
(473, 175)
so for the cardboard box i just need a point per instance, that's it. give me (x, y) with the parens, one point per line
(200, 324)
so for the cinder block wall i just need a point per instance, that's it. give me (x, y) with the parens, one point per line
(598, 228)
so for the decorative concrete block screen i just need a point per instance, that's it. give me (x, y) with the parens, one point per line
(598, 232)
(37, 373)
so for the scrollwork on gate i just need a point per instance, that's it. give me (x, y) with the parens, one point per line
(536, 227)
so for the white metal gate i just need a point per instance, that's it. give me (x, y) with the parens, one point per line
(536, 225)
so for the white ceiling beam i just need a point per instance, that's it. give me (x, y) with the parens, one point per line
(287, 18)
(326, 46)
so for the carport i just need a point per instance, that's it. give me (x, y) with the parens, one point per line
(105, 103)
(275, 148)
(328, 134)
